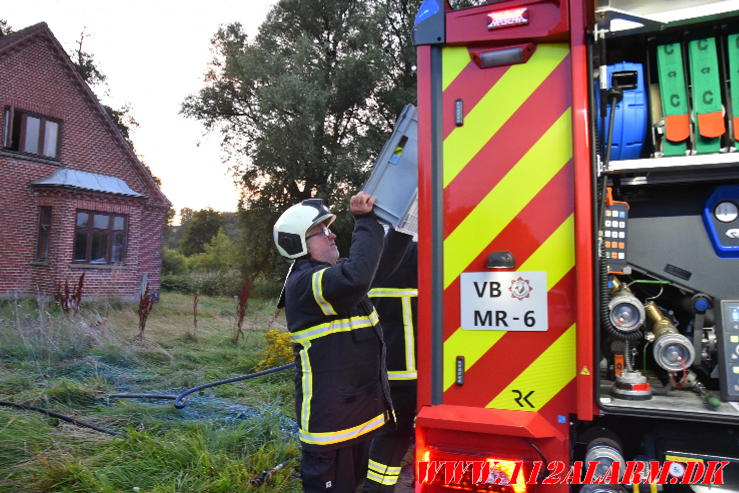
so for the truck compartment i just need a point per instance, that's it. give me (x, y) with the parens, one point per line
(667, 214)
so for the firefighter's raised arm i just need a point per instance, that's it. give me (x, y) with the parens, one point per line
(348, 281)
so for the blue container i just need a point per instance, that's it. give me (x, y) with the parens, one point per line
(630, 120)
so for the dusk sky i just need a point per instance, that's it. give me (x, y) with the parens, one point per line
(154, 54)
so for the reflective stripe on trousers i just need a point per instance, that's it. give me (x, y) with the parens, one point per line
(382, 474)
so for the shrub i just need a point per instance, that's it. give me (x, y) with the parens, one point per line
(266, 288)
(173, 262)
(213, 283)
(279, 350)
(177, 283)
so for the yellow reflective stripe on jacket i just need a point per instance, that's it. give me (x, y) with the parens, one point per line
(382, 474)
(410, 345)
(327, 438)
(307, 386)
(402, 375)
(316, 281)
(335, 326)
(405, 295)
(391, 292)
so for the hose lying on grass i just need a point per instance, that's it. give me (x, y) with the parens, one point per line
(60, 416)
(179, 399)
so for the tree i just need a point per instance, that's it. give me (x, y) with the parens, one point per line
(174, 232)
(218, 254)
(186, 215)
(306, 106)
(199, 230)
(85, 64)
(5, 28)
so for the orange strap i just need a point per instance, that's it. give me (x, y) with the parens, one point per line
(619, 364)
(677, 127)
(711, 125)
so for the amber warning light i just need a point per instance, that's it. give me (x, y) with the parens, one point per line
(508, 18)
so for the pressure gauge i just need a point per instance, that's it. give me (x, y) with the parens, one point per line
(726, 211)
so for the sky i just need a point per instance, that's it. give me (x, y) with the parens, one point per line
(154, 54)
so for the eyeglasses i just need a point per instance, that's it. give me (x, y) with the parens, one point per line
(323, 231)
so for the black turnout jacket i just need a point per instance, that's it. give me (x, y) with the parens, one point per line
(341, 389)
(395, 296)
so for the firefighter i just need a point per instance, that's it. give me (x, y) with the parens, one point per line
(395, 296)
(341, 390)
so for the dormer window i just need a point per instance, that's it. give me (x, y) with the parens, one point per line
(31, 133)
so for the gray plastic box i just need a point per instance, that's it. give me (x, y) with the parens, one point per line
(394, 178)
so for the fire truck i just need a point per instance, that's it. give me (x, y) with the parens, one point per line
(578, 244)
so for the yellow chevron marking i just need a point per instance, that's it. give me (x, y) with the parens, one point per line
(546, 377)
(472, 344)
(497, 106)
(454, 60)
(504, 202)
(556, 256)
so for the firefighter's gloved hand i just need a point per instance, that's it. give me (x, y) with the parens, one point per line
(362, 203)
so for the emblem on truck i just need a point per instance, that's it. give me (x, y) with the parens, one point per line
(520, 288)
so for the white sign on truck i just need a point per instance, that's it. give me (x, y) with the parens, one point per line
(515, 301)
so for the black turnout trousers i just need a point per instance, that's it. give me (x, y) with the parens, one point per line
(339, 470)
(391, 443)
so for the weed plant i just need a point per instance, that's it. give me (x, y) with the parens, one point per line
(220, 442)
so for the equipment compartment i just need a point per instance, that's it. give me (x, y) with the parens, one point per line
(667, 241)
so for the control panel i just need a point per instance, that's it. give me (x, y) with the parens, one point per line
(614, 236)
(728, 332)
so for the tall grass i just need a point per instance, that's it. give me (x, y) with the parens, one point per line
(220, 442)
(38, 331)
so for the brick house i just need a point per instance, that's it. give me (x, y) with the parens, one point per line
(74, 197)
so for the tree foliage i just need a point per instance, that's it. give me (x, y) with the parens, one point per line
(305, 106)
(203, 226)
(85, 64)
(218, 254)
(88, 69)
(5, 28)
(173, 262)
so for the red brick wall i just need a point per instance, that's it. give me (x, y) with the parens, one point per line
(36, 77)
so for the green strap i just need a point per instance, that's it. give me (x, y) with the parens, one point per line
(732, 45)
(672, 91)
(706, 88)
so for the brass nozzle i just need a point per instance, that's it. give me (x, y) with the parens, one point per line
(660, 323)
(617, 285)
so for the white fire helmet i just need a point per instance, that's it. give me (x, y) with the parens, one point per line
(290, 229)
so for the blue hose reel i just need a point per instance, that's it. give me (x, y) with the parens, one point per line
(630, 119)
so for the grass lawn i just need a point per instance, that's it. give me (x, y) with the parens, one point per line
(220, 442)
